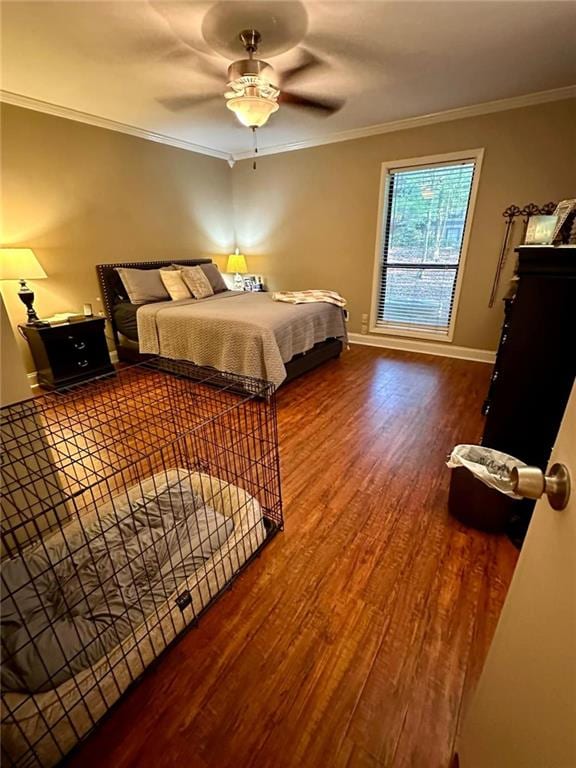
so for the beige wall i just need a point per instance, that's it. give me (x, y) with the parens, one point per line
(80, 196)
(308, 219)
(14, 385)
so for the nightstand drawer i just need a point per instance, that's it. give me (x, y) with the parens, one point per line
(76, 348)
(70, 353)
(76, 365)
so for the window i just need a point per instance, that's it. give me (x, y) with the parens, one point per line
(425, 216)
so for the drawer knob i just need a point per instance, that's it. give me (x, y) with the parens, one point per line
(79, 345)
(82, 363)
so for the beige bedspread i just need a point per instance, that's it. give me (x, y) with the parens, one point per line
(237, 332)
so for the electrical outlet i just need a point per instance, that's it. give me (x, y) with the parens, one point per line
(364, 327)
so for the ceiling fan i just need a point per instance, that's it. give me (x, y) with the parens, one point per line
(253, 93)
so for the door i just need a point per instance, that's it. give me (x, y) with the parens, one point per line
(523, 714)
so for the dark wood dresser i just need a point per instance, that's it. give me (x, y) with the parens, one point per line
(536, 360)
(531, 382)
(70, 353)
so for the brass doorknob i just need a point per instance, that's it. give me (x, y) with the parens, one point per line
(532, 483)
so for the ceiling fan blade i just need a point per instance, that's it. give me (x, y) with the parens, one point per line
(366, 54)
(179, 103)
(200, 63)
(309, 62)
(161, 48)
(325, 107)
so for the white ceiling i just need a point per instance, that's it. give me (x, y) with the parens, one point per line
(390, 60)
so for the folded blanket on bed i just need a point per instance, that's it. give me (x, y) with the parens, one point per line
(310, 297)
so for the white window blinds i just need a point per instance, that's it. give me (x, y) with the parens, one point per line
(424, 220)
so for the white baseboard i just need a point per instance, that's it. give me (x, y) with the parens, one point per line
(33, 377)
(423, 347)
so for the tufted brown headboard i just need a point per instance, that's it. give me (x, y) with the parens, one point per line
(113, 291)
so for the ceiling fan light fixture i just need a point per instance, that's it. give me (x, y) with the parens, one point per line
(252, 111)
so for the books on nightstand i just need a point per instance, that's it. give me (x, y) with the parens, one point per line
(61, 318)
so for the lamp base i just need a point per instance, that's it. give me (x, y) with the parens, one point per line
(238, 282)
(27, 298)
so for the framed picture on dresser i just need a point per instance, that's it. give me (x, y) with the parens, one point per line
(564, 210)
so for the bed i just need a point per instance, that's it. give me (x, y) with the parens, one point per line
(319, 329)
(48, 707)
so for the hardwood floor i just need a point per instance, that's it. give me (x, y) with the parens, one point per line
(357, 637)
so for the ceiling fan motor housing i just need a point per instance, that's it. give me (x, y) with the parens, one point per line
(250, 67)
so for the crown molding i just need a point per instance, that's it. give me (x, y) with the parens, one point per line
(474, 110)
(48, 108)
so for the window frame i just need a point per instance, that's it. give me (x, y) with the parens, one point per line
(430, 161)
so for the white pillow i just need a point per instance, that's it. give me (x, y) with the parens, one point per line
(174, 284)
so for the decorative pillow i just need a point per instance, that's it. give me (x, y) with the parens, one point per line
(142, 285)
(197, 282)
(213, 274)
(174, 284)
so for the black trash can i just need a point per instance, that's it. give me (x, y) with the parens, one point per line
(476, 505)
(481, 488)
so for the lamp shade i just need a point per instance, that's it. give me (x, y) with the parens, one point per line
(252, 111)
(20, 264)
(237, 263)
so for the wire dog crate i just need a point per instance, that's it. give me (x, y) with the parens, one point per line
(129, 505)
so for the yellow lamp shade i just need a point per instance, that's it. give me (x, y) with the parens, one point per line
(20, 264)
(237, 263)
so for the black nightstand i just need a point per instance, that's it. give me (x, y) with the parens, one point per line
(70, 353)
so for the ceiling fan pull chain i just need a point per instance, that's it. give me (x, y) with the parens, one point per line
(255, 148)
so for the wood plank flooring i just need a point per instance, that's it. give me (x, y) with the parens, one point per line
(357, 637)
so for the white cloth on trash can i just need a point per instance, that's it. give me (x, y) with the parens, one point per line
(492, 467)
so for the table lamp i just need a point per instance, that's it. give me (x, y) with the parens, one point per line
(21, 264)
(237, 264)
